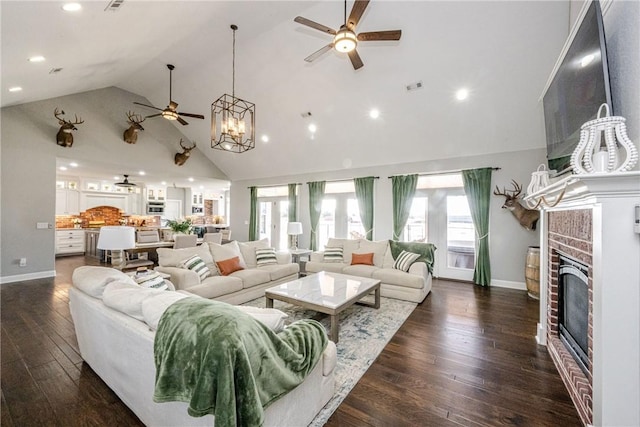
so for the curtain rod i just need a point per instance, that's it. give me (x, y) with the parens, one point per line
(495, 168)
(343, 180)
(274, 185)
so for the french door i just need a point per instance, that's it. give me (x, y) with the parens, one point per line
(273, 219)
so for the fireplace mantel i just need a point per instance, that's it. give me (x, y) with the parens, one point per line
(615, 250)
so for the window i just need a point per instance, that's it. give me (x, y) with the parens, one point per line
(274, 215)
(460, 233)
(327, 223)
(355, 229)
(417, 227)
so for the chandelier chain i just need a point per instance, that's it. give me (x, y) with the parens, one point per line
(233, 66)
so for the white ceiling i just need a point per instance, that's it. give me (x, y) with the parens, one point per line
(501, 51)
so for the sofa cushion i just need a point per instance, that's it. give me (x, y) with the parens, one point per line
(216, 286)
(152, 280)
(265, 257)
(228, 266)
(197, 265)
(92, 280)
(248, 251)
(333, 254)
(127, 298)
(404, 260)
(391, 276)
(388, 260)
(278, 271)
(154, 306)
(226, 251)
(379, 249)
(364, 259)
(334, 267)
(360, 270)
(271, 317)
(252, 277)
(348, 247)
(168, 257)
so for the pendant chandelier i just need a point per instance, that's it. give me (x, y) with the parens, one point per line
(233, 119)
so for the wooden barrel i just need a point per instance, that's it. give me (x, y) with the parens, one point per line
(532, 272)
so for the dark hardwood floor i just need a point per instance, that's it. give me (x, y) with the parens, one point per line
(466, 356)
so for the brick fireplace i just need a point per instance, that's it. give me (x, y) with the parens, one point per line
(569, 232)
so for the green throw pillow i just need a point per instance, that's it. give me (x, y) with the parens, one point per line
(425, 250)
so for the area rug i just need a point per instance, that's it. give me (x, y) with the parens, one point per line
(364, 332)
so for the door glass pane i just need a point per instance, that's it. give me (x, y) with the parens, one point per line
(327, 225)
(265, 220)
(283, 238)
(355, 229)
(416, 228)
(460, 233)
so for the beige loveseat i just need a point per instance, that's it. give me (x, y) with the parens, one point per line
(239, 286)
(413, 285)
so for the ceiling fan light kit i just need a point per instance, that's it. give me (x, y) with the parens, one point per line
(345, 40)
(233, 119)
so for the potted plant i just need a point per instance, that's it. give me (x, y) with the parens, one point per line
(179, 225)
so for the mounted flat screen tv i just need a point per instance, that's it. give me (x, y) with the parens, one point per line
(578, 88)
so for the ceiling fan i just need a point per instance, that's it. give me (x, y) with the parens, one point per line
(170, 112)
(345, 39)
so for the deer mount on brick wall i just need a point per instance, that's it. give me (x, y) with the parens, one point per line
(528, 218)
(64, 136)
(131, 134)
(180, 158)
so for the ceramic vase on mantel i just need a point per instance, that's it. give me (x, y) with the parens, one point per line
(604, 146)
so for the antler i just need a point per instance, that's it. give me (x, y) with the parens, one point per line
(57, 113)
(517, 188)
(497, 192)
(78, 122)
(135, 118)
(185, 148)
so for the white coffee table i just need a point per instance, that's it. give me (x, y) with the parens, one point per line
(324, 292)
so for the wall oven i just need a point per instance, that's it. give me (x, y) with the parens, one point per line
(155, 208)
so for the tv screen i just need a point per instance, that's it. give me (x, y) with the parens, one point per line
(578, 88)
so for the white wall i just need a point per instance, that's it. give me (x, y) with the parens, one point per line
(29, 152)
(508, 240)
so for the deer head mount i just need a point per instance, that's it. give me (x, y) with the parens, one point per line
(64, 137)
(131, 134)
(180, 158)
(528, 218)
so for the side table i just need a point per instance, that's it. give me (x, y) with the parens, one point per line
(297, 257)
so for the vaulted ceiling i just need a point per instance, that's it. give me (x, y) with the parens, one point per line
(502, 52)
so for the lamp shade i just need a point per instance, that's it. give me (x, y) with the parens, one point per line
(117, 238)
(294, 228)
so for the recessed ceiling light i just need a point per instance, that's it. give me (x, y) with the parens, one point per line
(462, 94)
(72, 7)
(73, 164)
(191, 179)
(116, 177)
(15, 89)
(142, 173)
(313, 128)
(63, 168)
(37, 58)
(164, 183)
(265, 138)
(374, 114)
(202, 187)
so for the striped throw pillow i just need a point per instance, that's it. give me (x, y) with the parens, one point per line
(333, 255)
(197, 265)
(404, 260)
(266, 257)
(151, 280)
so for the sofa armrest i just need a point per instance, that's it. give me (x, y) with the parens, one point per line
(419, 269)
(317, 256)
(329, 359)
(283, 257)
(180, 277)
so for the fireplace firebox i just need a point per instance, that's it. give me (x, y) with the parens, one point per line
(573, 309)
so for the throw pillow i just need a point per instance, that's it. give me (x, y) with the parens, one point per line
(226, 251)
(332, 254)
(426, 251)
(266, 257)
(365, 259)
(404, 260)
(228, 266)
(197, 265)
(151, 280)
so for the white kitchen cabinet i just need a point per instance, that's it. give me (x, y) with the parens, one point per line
(136, 204)
(69, 241)
(156, 194)
(67, 202)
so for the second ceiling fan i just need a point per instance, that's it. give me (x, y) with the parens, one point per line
(170, 112)
(345, 39)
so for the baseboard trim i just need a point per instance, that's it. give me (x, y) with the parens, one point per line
(28, 276)
(521, 286)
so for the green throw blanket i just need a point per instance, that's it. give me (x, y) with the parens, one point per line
(425, 250)
(224, 362)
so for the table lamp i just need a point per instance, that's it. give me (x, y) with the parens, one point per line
(294, 229)
(117, 239)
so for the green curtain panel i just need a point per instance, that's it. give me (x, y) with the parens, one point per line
(404, 188)
(477, 187)
(316, 194)
(253, 215)
(364, 194)
(293, 203)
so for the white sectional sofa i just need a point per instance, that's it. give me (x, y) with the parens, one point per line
(413, 285)
(236, 288)
(115, 327)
